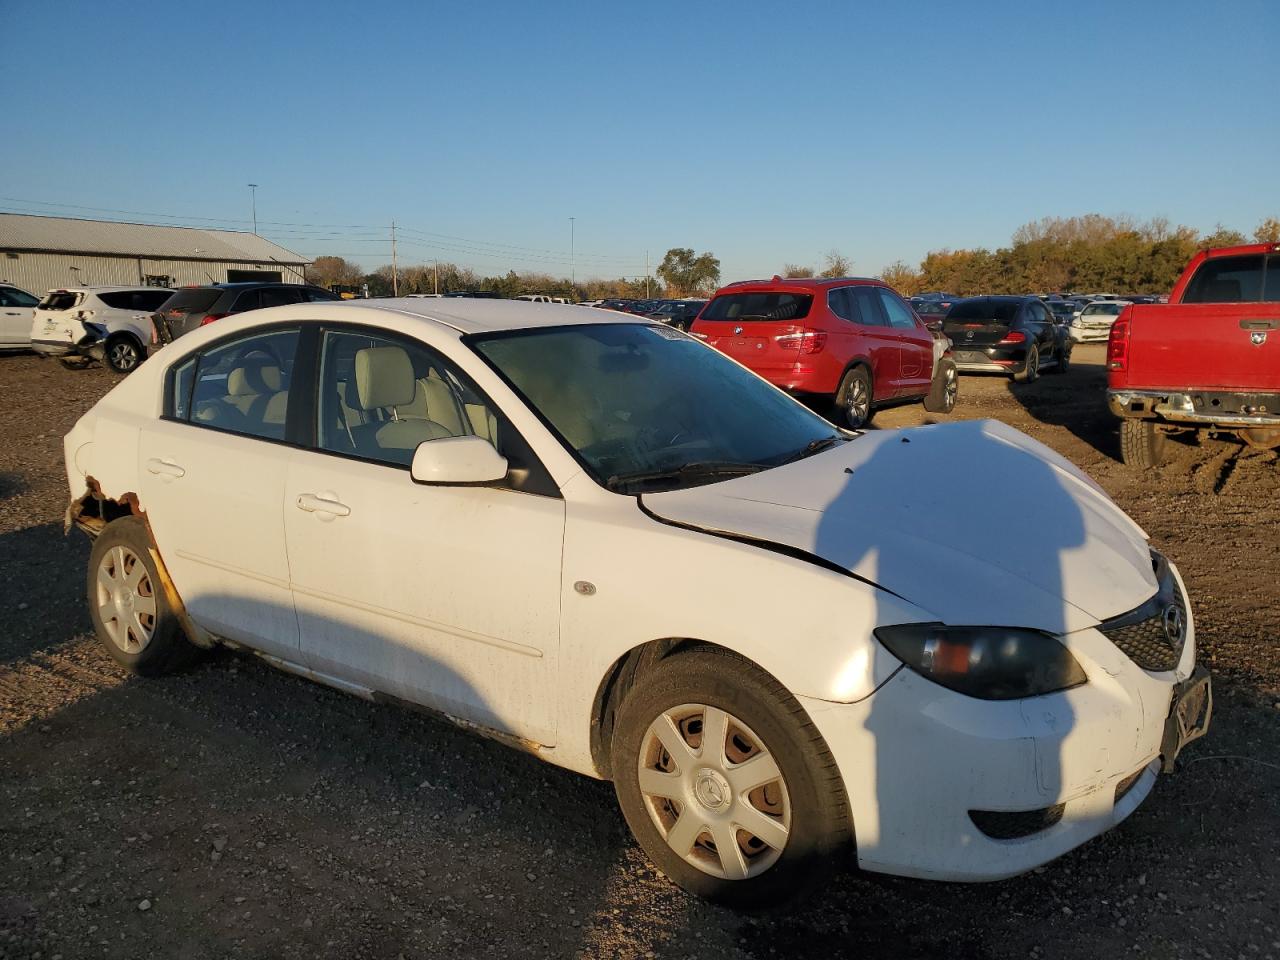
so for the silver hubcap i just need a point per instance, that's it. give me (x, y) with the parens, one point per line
(714, 791)
(951, 388)
(1033, 364)
(123, 356)
(126, 602)
(857, 402)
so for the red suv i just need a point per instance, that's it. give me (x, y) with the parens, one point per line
(854, 342)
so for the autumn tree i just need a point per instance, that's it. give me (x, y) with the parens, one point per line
(325, 271)
(1268, 231)
(1222, 237)
(903, 278)
(686, 274)
(835, 264)
(793, 271)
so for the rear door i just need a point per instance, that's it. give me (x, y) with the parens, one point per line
(875, 339)
(1224, 335)
(761, 329)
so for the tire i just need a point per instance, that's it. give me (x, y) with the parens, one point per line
(130, 612)
(1031, 368)
(854, 400)
(944, 390)
(1142, 446)
(1064, 359)
(123, 353)
(810, 813)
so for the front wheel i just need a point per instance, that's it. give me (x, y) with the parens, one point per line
(1064, 358)
(853, 403)
(122, 353)
(725, 783)
(944, 390)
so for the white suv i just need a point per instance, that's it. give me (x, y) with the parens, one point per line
(16, 309)
(105, 323)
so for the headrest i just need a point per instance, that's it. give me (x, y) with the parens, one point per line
(384, 377)
(253, 378)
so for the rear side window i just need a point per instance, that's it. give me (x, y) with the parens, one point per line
(196, 300)
(240, 387)
(1227, 280)
(1272, 293)
(759, 305)
(60, 301)
(249, 300)
(145, 300)
(315, 294)
(279, 296)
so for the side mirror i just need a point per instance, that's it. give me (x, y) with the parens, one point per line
(454, 461)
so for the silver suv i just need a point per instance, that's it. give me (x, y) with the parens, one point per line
(112, 324)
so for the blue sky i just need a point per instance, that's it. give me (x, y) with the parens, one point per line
(763, 133)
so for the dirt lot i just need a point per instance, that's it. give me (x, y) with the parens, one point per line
(236, 811)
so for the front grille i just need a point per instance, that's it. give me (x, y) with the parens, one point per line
(1000, 825)
(1151, 636)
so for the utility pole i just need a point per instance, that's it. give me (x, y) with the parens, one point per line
(573, 272)
(437, 263)
(646, 274)
(395, 270)
(253, 200)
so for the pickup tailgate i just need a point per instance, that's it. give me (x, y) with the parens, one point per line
(1223, 346)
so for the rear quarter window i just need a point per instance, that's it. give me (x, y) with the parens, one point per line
(60, 301)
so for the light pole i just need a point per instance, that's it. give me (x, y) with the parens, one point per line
(573, 272)
(253, 200)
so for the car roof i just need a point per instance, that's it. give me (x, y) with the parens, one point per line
(481, 315)
(798, 282)
(105, 289)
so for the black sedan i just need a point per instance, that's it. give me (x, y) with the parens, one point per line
(1016, 336)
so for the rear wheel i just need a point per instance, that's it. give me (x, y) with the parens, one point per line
(1064, 359)
(1141, 444)
(725, 782)
(123, 353)
(1030, 368)
(853, 400)
(944, 390)
(127, 604)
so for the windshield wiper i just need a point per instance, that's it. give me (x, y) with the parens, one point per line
(812, 447)
(699, 470)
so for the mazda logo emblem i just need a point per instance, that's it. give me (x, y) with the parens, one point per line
(1173, 624)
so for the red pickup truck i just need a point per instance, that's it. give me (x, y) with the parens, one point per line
(1207, 362)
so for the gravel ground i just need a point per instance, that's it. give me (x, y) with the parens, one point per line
(236, 811)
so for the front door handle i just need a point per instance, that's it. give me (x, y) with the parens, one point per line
(311, 503)
(1259, 323)
(165, 468)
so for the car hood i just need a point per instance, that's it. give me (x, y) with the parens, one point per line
(973, 522)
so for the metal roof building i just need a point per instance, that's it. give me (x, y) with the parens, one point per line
(45, 253)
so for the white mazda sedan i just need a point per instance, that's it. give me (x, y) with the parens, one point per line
(601, 540)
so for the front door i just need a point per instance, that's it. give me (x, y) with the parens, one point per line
(445, 596)
(213, 476)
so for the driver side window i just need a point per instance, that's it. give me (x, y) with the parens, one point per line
(240, 387)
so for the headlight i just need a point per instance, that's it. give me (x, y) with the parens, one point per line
(990, 663)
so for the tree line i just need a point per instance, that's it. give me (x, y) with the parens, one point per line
(1055, 254)
(682, 273)
(1090, 253)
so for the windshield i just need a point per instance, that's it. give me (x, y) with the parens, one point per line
(632, 400)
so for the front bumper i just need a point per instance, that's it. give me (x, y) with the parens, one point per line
(1089, 334)
(916, 758)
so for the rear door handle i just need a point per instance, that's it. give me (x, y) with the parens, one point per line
(311, 503)
(165, 468)
(1259, 323)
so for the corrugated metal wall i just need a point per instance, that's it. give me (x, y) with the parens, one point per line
(38, 272)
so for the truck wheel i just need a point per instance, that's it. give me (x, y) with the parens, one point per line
(1030, 368)
(725, 782)
(853, 402)
(123, 353)
(128, 606)
(944, 389)
(1141, 444)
